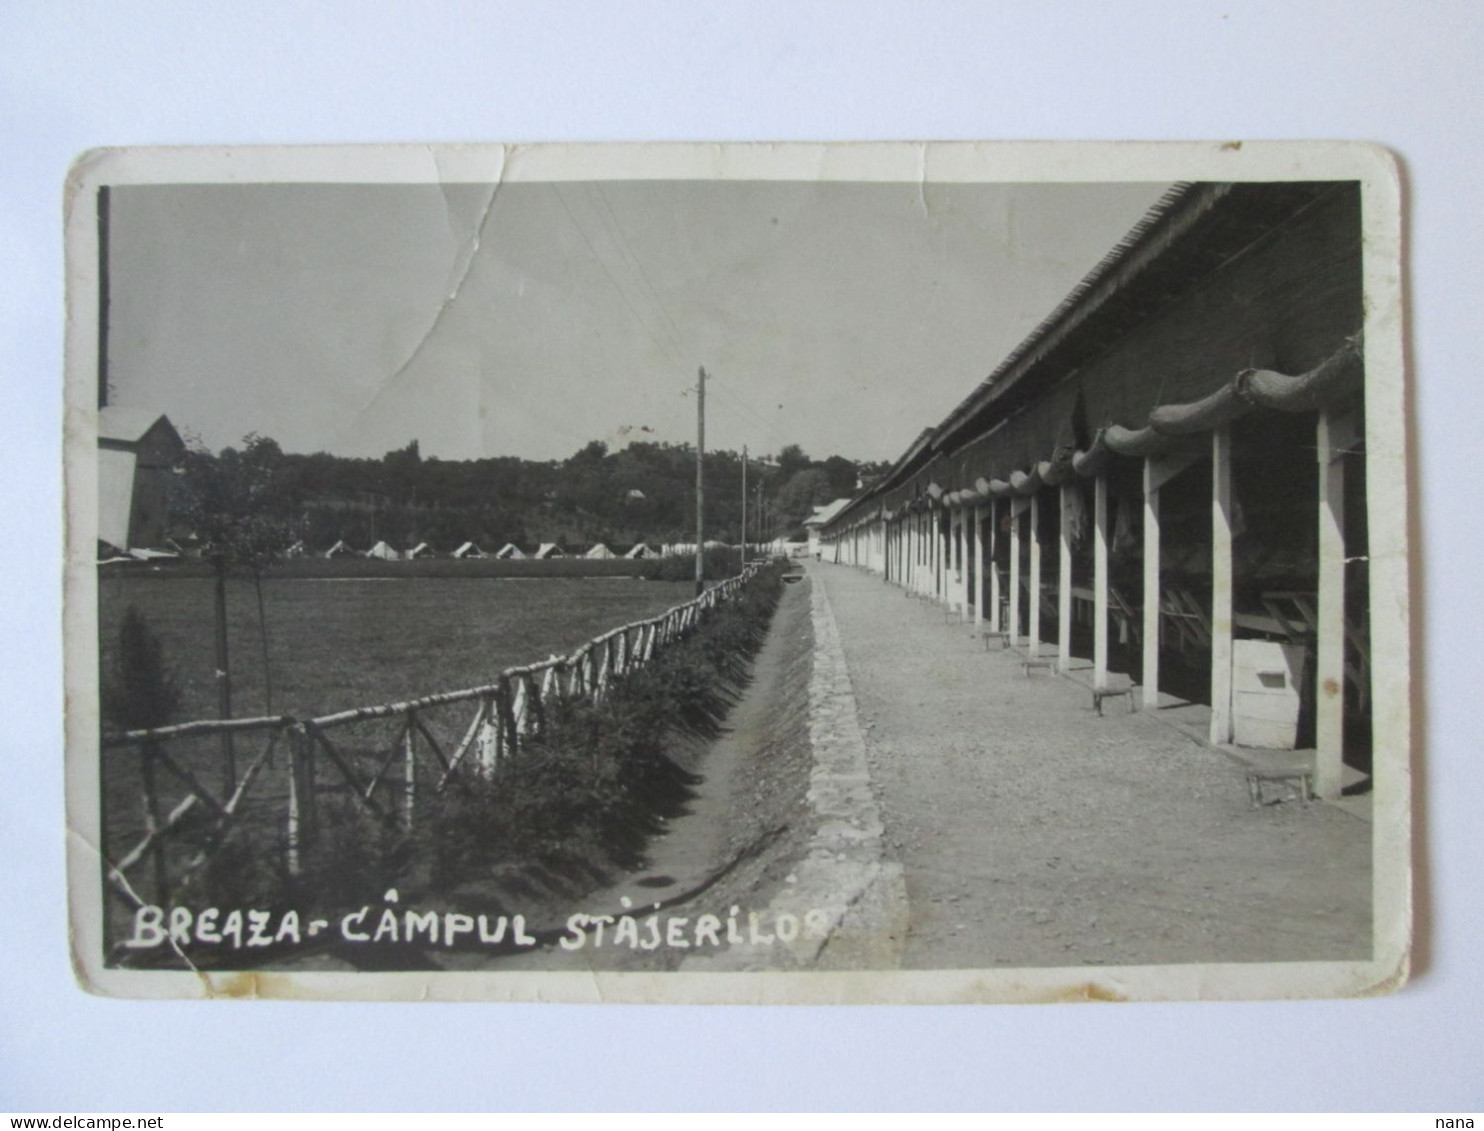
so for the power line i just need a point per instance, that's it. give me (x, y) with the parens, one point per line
(626, 247)
(737, 404)
(669, 340)
(612, 278)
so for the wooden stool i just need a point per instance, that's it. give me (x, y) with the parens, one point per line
(1109, 693)
(1303, 779)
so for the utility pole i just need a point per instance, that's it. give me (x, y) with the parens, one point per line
(701, 482)
(762, 516)
(744, 509)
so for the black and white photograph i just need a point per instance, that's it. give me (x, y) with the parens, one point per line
(692, 573)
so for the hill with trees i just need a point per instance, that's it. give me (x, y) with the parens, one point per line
(644, 492)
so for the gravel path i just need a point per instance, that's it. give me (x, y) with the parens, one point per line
(1033, 832)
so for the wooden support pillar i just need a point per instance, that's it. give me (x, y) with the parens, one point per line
(909, 552)
(929, 516)
(955, 555)
(1014, 572)
(961, 562)
(904, 550)
(938, 544)
(1336, 434)
(980, 589)
(929, 551)
(917, 552)
(904, 528)
(1035, 649)
(934, 549)
(945, 556)
(1150, 693)
(994, 573)
(916, 556)
(950, 545)
(1100, 583)
(1221, 586)
(1064, 583)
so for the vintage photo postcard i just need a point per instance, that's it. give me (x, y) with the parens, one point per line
(738, 573)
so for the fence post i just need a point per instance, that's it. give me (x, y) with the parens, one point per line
(535, 708)
(488, 739)
(409, 769)
(301, 799)
(309, 814)
(520, 707)
(152, 821)
(510, 744)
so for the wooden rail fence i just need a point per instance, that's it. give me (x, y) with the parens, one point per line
(371, 755)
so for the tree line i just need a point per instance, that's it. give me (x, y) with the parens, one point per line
(644, 492)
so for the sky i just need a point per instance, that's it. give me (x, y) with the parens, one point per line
(841, 316)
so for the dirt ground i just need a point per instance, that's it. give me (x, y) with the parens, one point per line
(736, 841)
(1033, 832)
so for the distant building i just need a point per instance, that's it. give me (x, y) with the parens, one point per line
(510, 552)
(468, 550)
(822, 515)
(138, 452)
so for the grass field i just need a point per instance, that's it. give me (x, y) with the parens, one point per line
(338, 643)
(335, 643)
(349, 566)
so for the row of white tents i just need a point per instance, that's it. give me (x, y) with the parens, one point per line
(509, 552)
(599, 551)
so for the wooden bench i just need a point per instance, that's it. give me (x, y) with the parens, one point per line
(1036, 662)
(1099, 694)
(987, 634)
(1294, 776)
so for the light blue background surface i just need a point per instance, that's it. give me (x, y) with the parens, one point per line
(72, 77)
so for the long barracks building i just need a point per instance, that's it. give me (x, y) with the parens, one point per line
(1164, 484)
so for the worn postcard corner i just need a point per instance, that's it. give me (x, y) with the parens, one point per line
(692, 573)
